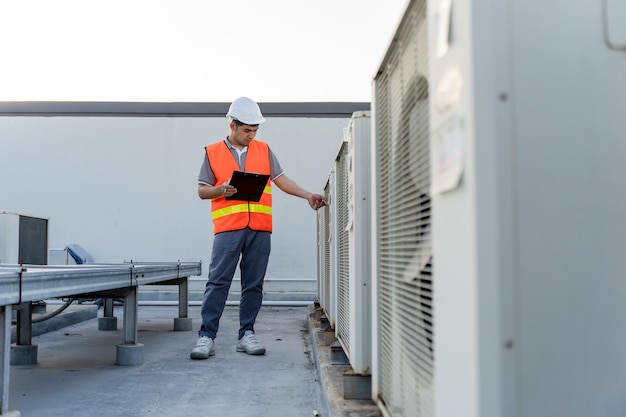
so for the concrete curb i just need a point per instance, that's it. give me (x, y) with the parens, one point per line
(331, 376)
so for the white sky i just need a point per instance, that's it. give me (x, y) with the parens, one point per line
(193, 50)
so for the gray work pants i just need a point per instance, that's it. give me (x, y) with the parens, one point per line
(253, 248)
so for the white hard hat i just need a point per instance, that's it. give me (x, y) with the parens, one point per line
(246, 111)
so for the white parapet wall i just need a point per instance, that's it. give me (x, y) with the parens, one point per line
(120, 179)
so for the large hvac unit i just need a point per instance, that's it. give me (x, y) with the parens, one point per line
(528, 122)
(351, 205)
(23, 239)
(403, 369)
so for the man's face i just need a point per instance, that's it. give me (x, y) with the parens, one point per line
(242, 135)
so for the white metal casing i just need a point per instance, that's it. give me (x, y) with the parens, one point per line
(9, 238)
(529, 302)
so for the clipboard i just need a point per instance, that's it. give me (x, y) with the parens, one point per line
(249, 185)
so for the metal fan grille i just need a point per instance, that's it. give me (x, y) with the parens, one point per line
(404, 225)
(343, 256)
(326, 243)
(324, 250)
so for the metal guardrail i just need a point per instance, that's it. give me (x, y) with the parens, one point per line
(36, 282)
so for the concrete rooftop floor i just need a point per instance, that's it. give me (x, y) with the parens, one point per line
(76, 374)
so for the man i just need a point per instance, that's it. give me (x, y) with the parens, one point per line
(242, 228)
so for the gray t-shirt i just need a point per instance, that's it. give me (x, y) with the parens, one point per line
(206, 175)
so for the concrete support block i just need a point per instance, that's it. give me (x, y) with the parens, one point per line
(23, 354)
(11, 413)
(329, 336)
(130, 355)
(317, 312)
(356, 386)
(107, 323)
(182, 324)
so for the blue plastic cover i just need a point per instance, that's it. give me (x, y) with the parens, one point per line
(79, 254)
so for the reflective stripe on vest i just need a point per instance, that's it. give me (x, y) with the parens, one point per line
(242, 208)
(237, 214)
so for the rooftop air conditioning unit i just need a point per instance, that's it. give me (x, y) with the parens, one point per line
(23, 239)
(403, 367)
(324, 255)
(352, 206)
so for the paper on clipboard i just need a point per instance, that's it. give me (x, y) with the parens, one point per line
(249, 185)
(448, 156)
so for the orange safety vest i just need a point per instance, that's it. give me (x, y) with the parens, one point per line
(238, 214)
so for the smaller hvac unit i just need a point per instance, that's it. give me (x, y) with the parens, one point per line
(23, 239)
(326, 280)
(352, 206)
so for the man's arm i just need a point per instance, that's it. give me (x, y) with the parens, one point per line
(289, 186)
(209, 192)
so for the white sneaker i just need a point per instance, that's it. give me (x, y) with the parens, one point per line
(204, 348)
(250, 345)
